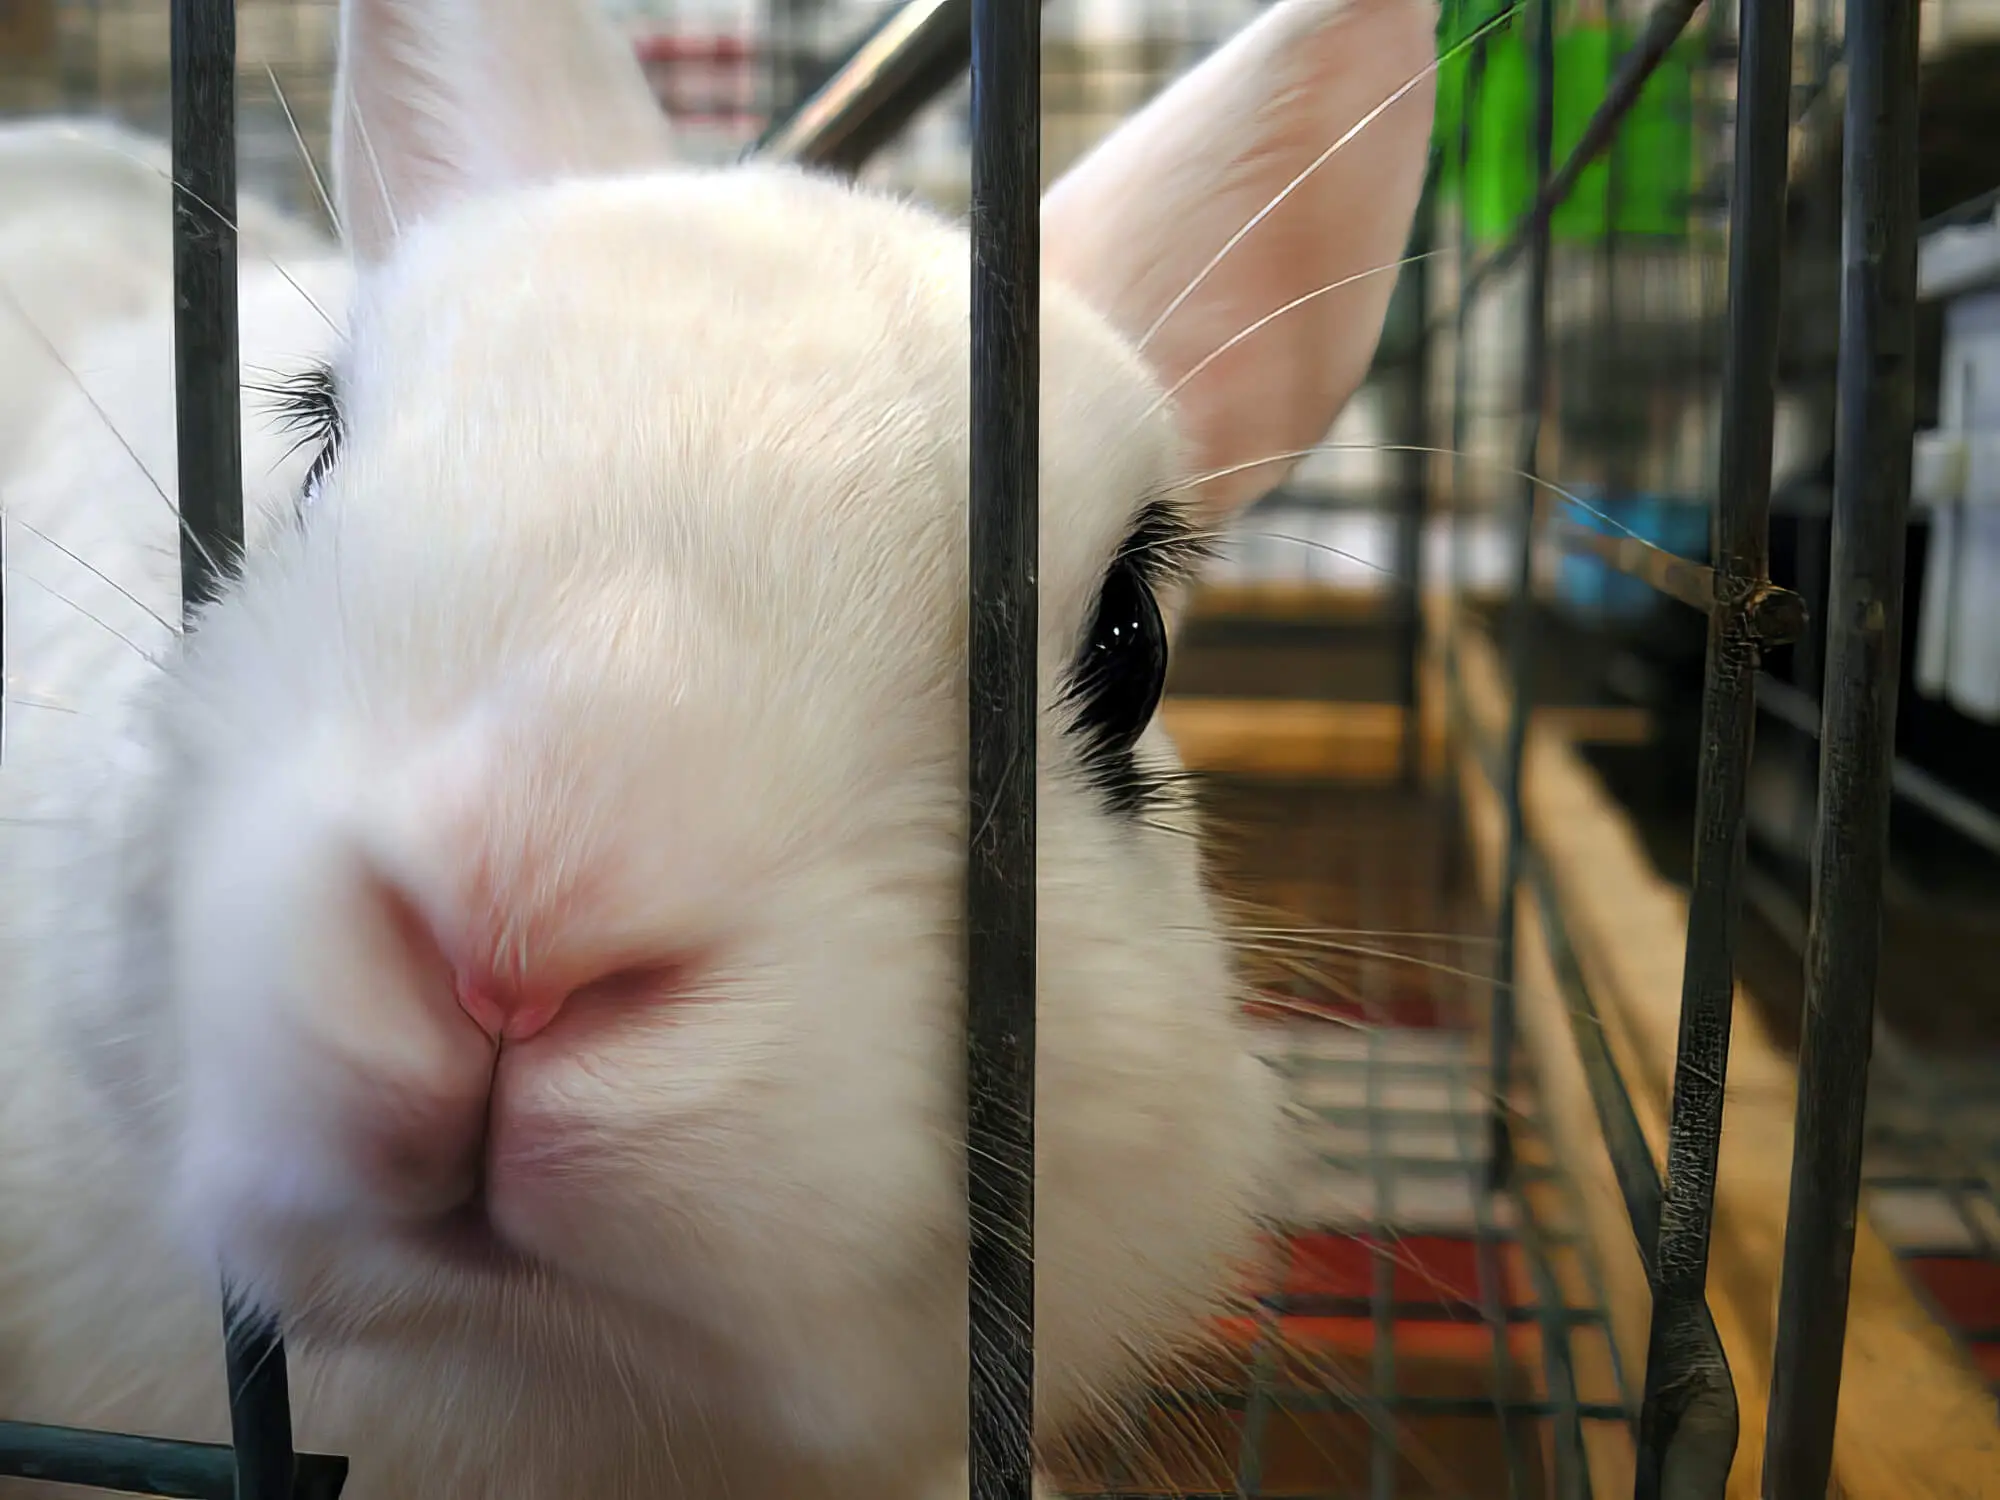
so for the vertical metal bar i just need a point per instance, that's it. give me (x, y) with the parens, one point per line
(1416, 479)
(208, 436)
(1000, 859)
(206, 379)
(260, 1408)
(1617, 460)
(1521, 632)
(1729, 712)
(1808, 663)
(1461, 363)
(1871, 497)
(1457, 562)
(1383, 1444)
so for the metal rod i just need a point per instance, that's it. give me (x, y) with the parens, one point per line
(1458, 561)
(1414, 509)
(208, 435)
(1871, 497)
(1696, 1466)
(906, 60)
(1776, 615)
(260, 1407)
(1741, 579)
(1461, 362)
(1521, 634)
(1635, 69)
(132, 1465)
(206, 376)
(1001, 662)
(895, 68)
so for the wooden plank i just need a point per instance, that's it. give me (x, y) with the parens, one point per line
(1286, 737)
(1289, 737)
(1293, 601)
(1915, 1418)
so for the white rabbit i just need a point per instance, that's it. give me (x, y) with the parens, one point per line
(85, 213)
(517, 935)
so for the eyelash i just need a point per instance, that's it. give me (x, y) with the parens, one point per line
(1165, 545)
(308, 406)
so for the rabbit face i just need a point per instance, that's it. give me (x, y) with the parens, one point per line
(568, 912)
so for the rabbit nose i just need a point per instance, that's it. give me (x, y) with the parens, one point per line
(515, 1010)
(507, 1012)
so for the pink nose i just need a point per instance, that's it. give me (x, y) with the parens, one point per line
(515, 1011)
(507, 1013)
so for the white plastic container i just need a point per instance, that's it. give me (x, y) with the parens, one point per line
(1956, 476)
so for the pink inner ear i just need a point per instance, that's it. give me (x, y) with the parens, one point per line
(1137, 226)
(437, 98)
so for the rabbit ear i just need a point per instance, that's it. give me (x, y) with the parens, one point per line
(1316, 117)
(438, 98)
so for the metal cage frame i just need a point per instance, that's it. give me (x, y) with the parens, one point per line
(1687, 1427)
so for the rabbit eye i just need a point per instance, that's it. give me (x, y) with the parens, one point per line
(1123, 668)
(1116, 683)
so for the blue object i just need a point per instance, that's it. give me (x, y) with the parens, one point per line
(1590, 588)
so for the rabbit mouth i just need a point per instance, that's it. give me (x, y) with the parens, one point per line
(467, 1239)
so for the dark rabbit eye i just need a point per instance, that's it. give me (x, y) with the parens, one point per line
(1116, 683)
(1123, 668)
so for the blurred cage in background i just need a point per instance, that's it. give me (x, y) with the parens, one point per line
(721, 68)
(1425, 1325)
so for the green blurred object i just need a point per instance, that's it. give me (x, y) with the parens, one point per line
(1653, 150)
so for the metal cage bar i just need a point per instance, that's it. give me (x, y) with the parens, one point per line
(1001, 689)
(898, 66)
(1521, 623)
(1871, 497)
(1635, 70)
(209, 451)
(206, 379)
(1741, 576)
(1688, 1419)
(1413, 510)
(260, 1463)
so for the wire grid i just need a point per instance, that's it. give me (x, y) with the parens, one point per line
(1411, 1332)
(1932, 1178)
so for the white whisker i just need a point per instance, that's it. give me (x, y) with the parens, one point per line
(1271, 317)
(144, 655)
(305, 152)
(13, 520)
(1195, 481)
(222, 218)
(1319, 161)
(374, 161)
(48, 345)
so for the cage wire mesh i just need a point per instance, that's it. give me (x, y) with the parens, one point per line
(1416, 1330)
(1638, 317)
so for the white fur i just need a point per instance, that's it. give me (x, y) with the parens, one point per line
(85, 214)
(628, 628)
